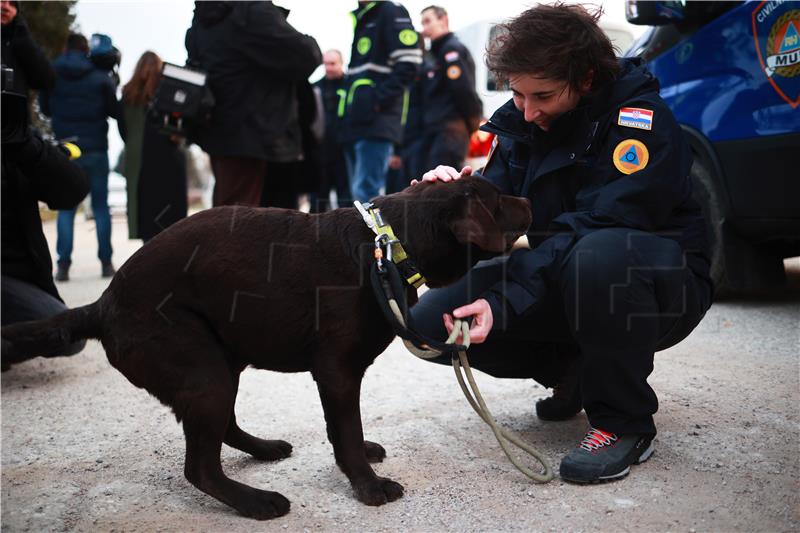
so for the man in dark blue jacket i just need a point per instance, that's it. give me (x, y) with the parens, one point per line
(453, 109)
(618, 262)
(384, 60)
(80, 104)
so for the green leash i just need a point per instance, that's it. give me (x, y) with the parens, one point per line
(475, 399)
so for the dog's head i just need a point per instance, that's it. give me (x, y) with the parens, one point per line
(448, 227)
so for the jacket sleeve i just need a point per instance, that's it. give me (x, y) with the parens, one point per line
(31, 58)
(459, 77)
(269, 41)
(642, 199)
(57, 181)
(404, 54)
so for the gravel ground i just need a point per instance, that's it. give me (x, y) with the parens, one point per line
(83, 450)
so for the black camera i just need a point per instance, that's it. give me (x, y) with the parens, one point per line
(182, 101)
(15, 109)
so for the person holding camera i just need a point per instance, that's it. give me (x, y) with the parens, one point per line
(254, 59)
(32, 171)
(154, 163)
(83, 98)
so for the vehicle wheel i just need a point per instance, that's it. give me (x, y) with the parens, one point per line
(736, 265)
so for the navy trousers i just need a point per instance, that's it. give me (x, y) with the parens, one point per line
(620, 296)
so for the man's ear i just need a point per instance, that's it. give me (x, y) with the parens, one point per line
(477, 226)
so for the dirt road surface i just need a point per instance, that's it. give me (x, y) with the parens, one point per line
(83, 450)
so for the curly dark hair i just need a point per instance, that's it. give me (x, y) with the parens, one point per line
(558, 41)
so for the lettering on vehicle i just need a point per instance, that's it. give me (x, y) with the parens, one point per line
(636, 117)
(630, 156)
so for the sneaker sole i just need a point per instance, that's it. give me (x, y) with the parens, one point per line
(622, 473)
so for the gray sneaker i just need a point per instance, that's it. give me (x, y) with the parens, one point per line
(603, 456)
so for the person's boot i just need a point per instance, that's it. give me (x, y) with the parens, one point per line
(603, 456)
(108, 269)
(566, 400)
(62, 272)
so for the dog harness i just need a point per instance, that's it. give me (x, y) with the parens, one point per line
(386, 237)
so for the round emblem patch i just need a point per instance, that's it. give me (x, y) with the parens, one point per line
(408, 37)
(363, 45)
(453, 72)
(630, 156)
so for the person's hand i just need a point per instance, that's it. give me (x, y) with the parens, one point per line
(481, 323)
(444, 173)
(395, 162)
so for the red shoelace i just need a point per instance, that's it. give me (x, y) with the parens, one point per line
(597, 438)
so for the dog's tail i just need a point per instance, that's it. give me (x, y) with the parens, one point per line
(51, 337)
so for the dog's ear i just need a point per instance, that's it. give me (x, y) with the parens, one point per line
(477, 226)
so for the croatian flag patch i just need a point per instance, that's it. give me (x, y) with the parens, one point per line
(635, 117)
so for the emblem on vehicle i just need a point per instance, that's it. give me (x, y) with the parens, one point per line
(776, 31)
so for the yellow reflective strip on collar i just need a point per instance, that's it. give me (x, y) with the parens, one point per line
(382, 228)
(416, 280)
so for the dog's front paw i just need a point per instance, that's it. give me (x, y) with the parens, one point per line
(374, 451)
(378, 491)
(270, 450)
(263, 505)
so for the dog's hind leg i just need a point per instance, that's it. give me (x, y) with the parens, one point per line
(205, 405)
(340, 403)
(236, 437)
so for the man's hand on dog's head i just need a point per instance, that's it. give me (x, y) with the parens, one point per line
(444, 173)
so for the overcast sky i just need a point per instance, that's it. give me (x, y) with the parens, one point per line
(160, 26)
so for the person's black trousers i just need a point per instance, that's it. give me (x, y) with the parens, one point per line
(22, 301)
(621, 295)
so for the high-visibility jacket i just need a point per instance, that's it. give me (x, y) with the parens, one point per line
(384, 60)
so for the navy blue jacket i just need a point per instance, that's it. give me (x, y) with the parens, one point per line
(81, 102)
(575, 187)
(384, 60)
(449, 85)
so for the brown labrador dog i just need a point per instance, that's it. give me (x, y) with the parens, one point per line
(233, 287)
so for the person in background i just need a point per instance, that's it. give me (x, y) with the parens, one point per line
(83, 98)
(408, 160)
(452, 107)
(254, 59)
(334, 169)
(154, 163)
(31, 68)
(384, 60)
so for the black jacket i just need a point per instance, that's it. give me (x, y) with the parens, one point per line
(34, 171)
(32, 70)
(449, 84)
(253, 58)
(384, 59)
(575, 187)
(334, 96)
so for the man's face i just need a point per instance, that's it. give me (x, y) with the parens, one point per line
(542, 100)
(333, 65)
(433, 27)
(8, 12)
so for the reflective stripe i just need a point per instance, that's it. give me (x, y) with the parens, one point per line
(406, 51)
(406, 59)
(404, 116)
(360, 14)
(357, 83)
(370, 66)
(342, 97)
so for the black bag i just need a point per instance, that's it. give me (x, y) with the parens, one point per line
(182, 101)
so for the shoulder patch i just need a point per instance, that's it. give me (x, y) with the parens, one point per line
(636, 117)
(451, 56)
(453, 72)
(630, 156)
(408, 37)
